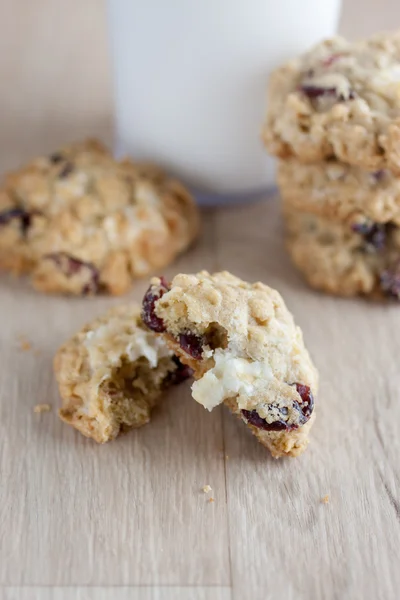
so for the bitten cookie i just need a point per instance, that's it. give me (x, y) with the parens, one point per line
(340, 100)
(347, 259)
(112, 373)
(82, 223)
(339, 191)
(245, 350)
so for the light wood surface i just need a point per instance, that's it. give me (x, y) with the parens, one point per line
(128, 520)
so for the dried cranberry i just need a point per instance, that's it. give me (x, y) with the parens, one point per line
(25, 217)
(192, 344)
(307, 405)
(93, 286)
(304, 408)
(330, 60)
(374, 234)
(317, 91)
(254, 418)
(70, 266)
(56, 158)
(148, 306)
(390, 281)
(66, 170)
(378, 175)
(181, 373)
(11, 213)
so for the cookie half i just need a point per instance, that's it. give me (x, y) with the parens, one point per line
(83, 223)
(347, 259)
(338, 100)
(112, 373)
(245, 350)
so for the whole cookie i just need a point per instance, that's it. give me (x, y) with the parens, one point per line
(362, 258)
(245, 350)
(340, 100)
(340, 191)
(112, 373)
(82, 223)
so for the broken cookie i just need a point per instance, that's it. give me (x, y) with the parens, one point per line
(245, 351)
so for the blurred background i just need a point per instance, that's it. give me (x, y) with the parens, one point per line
(55, 69)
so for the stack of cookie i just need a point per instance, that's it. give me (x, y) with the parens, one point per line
(334, 121)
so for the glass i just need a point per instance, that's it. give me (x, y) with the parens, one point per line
(190, 84)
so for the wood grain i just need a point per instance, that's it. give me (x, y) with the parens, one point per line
(129, 520)
(116, 593)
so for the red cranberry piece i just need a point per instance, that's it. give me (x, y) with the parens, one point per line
(305, 408)
(66, 170)
(70, 266)
(254, 418)
(6, 216)
(192, 344)
(317, 91)
(390, 282)
(181, 373)
(330, 60)
(148, 306)
(56, 158)
(307, 405)
(93, 286)
(374, 234)
(25, 218)
(378, 175)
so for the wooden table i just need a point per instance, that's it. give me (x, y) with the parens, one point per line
(128, 520)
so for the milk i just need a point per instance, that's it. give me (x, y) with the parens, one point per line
(190, 81)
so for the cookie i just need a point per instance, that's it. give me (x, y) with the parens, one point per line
(112, 373)
(82, 223)
(341, 100)
(244, 349)
(339, 191)
(362, 258)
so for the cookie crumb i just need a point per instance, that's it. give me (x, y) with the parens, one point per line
(207, 488)
(227, 456)
(211, 500)
(325, 499)
(41, 408)
(24, 343)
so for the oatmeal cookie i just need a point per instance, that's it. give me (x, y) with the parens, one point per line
(340, 99)
(112, 373)
(245, 350)
(347, 259)
(82, 223)
(339, 191)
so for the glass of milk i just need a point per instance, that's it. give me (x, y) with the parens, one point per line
(190, 84)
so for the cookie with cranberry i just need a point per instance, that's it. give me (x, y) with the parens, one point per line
(82, 223)
(347, 259)
(112, 373)
(245, 351)
(339, 191)
(338, 100)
